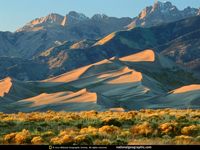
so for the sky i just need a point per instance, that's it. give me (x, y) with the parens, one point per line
(16, 13)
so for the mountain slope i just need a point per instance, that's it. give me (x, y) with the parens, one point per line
(178, 41)
(47, 46)
(184, 50)
(168, 39)
(42, 33)
(77, 26)
(22, 69)
(52, 20)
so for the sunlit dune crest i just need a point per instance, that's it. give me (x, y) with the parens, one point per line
(188, 88)
(105, 39)
(144, 56)
(5, 86)
(82, 96)
(75, 74)
(103, 62)
(115, 73)
(130, 77)
(70, 76)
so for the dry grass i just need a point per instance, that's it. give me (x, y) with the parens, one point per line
(164, 126)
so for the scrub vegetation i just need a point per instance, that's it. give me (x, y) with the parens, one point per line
(162, 126)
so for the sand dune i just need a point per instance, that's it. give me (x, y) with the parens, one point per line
(90, 70)
(68, 77)
(144, 56)
(62, 97)
(120, 76)
(134, 77)
(104, 68)
(184, 97)
(115, 84)
(68, 101)
(5, 86)
(105, 39)
(188, 88)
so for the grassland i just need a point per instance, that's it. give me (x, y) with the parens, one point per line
(163, 126)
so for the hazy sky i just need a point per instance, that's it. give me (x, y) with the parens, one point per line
(15, 13)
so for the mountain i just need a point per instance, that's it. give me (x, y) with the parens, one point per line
(97, 26)
(136, 81)
(178, 41)
(43, 42)
(160, 13)
(52, 20)
(42, 33)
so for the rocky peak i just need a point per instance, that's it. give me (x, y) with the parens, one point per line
(145, 12)
(99, 17)
(167, 8)
(190, 11)
(40, 23)
(73, 17)
(163, 8)
(157, 8)
(162, 5)
(51, 18)
(161, 12)
(76, 16)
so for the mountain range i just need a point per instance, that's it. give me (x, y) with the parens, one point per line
(177, 40)
(44, 40)
(45, 32)
(75, 63)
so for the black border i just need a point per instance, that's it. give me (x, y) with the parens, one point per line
(100, 147)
